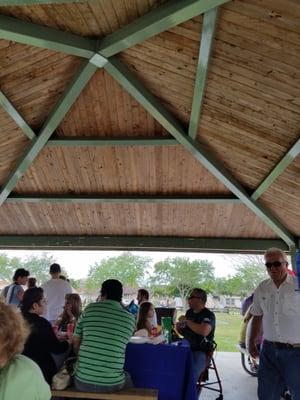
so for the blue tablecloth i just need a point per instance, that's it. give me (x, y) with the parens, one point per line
(164, 367)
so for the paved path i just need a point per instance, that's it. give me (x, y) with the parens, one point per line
(237, 384)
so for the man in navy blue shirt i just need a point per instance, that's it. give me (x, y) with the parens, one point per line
(198, 327)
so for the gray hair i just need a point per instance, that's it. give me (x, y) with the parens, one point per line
(275, 250)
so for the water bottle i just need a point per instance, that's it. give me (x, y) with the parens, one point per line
(167, 336)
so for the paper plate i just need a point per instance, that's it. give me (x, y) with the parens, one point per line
(138, 339)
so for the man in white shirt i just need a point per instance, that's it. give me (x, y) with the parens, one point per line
(276, 305)
(55, 291)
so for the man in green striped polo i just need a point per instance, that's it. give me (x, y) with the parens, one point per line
(100, 339)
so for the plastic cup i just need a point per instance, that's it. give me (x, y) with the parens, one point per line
(55, 329)
(70, 330)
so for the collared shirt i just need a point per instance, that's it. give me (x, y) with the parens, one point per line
(280, 308)
(105, 328)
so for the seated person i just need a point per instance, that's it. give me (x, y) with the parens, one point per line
(71, 313)
(198, 327)
(142, 296)
(21, 378)
(145, 317)
(42, 340)
(100, 339)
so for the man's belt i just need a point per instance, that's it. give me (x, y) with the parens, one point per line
(279, 345)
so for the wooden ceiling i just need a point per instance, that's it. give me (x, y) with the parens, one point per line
(249, 121)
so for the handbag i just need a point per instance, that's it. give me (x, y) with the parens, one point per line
(64, 377)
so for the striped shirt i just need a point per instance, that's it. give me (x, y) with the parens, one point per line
(105, 329)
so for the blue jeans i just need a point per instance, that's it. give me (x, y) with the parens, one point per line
(90, 387)
(278, 370)
(199, 362)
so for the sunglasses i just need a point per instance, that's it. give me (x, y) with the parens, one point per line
(276, 264)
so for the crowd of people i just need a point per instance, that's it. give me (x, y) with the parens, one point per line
(35, 333)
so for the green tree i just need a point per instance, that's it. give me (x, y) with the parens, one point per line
(8, 266)
(249, 272)
(38, 266)
(128, 268)
(181, 274)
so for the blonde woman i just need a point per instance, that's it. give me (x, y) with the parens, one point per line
(71, 313)
(20, 377)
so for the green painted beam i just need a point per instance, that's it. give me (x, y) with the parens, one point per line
(121, 199)
(126, 78)
(207, 38)
(60, 110)
(9, 108)
(112, 141)
(34, 2)
(146, 243)
(24, 32)
(160, 19)
(289, 157)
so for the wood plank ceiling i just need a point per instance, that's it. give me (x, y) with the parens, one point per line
(250, 119)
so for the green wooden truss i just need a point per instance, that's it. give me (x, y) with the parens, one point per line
(103, 53)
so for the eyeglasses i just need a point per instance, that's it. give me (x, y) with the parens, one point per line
(194, 297)
(276, 264)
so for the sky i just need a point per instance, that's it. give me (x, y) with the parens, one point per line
(77, 262)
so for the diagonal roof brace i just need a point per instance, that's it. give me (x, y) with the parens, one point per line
(288, 158)
(37, 144)
(207, 38)
(45, 37)
(161, 19)
(125, 77)
(10, 109)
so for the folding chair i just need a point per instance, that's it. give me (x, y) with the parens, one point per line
(204, 381)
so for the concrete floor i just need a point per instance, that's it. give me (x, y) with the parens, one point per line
(237, 384)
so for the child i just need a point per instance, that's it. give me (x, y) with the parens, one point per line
(145, 316)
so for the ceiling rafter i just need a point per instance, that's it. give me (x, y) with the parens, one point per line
(59, 111)
(112, 141)
(88, 198)
(130, 83)
(165, 17)
(141, 29)
(279, 168)
(207, 39)
(147, 243)
(14, 114)
(47, 38)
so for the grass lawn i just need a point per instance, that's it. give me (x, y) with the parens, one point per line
(227, 331)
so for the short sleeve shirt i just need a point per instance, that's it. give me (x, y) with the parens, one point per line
(55, 291)
(204, 316)
(12, 294)
(280, 309)
(23, 379)
(105, 329)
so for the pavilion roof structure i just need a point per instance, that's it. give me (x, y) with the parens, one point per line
(150, 124)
